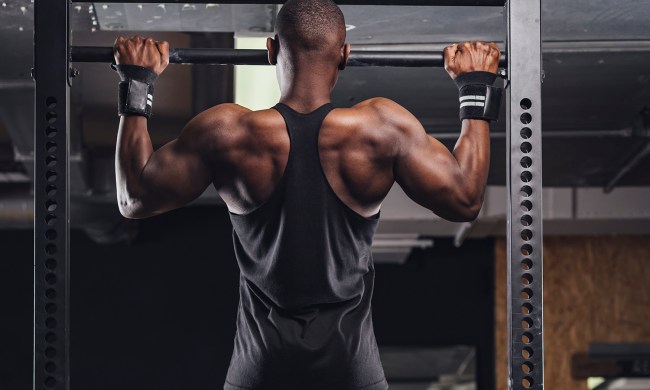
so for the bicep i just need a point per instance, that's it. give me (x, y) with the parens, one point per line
(178, 172)
(428, 172)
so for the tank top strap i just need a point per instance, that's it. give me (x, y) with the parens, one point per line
(303, 132)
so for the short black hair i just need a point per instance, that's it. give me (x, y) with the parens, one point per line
(311, 25)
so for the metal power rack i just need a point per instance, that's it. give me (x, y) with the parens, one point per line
(52, 74)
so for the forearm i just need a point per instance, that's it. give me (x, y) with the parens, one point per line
(133, 150)
(472, 152)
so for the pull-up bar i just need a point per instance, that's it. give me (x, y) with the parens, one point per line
(474, 3)
(259, 57)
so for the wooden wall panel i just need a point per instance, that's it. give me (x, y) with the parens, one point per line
(596, 289)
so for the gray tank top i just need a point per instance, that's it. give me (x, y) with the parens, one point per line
(304, 319)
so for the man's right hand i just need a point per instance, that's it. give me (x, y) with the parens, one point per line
(145, 52)
(468, 57)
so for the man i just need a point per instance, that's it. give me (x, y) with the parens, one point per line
(303, 183)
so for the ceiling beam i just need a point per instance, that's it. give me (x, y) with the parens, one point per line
(474, 3)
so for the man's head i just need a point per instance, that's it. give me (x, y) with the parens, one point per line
(309, 29)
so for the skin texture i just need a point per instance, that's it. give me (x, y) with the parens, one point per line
(364, 149)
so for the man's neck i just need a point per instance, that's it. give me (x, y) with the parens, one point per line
(307, 90)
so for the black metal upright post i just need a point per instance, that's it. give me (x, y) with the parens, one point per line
(524, 165)
(51, 200)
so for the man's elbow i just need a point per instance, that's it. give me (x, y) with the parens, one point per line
(470, 214)
(469, 211)
(130, 213)
(132, 208)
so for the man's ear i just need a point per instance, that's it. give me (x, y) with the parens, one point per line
(345, 55)
(272, 47)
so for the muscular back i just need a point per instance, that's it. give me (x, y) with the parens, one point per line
(356, 153)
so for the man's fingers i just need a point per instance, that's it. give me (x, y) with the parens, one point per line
(450, 51)
(494, 47)
(163, 48)
(494, 52)
(464, 46)
(481, 45)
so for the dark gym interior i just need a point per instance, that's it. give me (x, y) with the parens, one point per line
(153, 302)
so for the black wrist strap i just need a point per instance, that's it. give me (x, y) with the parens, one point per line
(135, 98)
(478, 98)
(135, 91)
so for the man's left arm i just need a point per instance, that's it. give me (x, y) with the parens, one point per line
(152, 182)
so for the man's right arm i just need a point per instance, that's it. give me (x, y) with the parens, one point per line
(451, 184)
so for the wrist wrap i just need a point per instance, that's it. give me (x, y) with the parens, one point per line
(479, 99)
(135, 91)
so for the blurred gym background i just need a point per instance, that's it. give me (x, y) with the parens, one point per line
(153, 301)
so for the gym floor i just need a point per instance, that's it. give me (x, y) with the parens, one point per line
(149, 313)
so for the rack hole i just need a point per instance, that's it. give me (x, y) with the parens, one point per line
(527, 382)
(50, 367)
(526, 249)
(50, 352)
(50, 160)
(527, 367)
(526, 220)
(50, 308)
(526, 133)
(526, 104)
(50, 190)
(526, 308)
(50, 264)
(50, 293)
(50, 249)
(526, 293)
(527, 323)
(526, 162)
(527, 338)
(50, 278)
(50, 323)
(526, 191)
(50, 102)
(526, 205)
(50, 338)
(51, 176)
(526, 176)
(50, 146)
(527, 352)
(526, 147)
(50, 382)
(50, 219)
(51, 234)
(51, 131)
(526, 279)
(50, 116)
(526, 118)
(526, 235)
(526, 264)
(50, 205)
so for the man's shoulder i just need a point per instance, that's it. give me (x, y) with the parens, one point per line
(378, 106)
(388, 115)
(230, 123)
(376, 116)
(221, 115)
